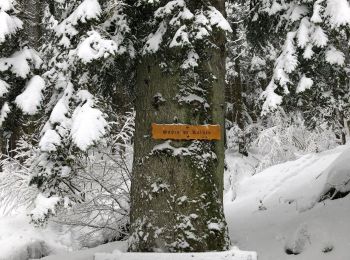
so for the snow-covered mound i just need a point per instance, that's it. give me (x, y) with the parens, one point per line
(295, 210)
(20, 240)
(88, 254)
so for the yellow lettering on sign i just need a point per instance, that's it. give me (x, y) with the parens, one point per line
(186, 132)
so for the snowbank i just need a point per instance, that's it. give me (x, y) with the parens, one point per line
(284, 212)
(296, 210)
(88, 254)
(19, 240)
(233, 254)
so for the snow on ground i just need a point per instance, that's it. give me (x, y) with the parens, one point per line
(278, 214)
(233, 254)
(19, 239)
(118, 250)
(88, 254)
(288, 211)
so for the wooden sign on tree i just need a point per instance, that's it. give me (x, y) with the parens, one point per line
(186, 132)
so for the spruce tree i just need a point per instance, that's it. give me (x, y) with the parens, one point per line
(251, 52)
(176, 194)
(20, 88)
(312, 69)
(88, 52)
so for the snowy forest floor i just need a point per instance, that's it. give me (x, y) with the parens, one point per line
(295, 210)
(278, 212)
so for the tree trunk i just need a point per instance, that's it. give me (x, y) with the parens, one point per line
(236, 99)
(32, 15)
(177, 186)
(234, 88)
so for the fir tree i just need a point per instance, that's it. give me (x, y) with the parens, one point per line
(312, 69)
(20, 88)
(176, 195)
(88, 52)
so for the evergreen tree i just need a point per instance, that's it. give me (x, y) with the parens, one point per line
(88, 53)
(311, 72)
(176, 194)
(251, 53)
(20, 88)
(234, 87)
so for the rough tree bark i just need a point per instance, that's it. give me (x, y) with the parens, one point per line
(177, 186)
(32, 15)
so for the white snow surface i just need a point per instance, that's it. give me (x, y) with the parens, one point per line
(44, 206)
(304, 84)
(95, 47)
(6, 5)
(88, 254)
(278, 210)
(155, 39)
(233, 254)
(30, 99)
(275, 8)
(297, 12)
(20, 62)
(303, 32)
(87, 10)
(4, 87)
(286, 63)
(283, 209)
(217, 19)
(181, 38)
(338, 173)
(9, 24)
(338, 12)
(192, 60)
(189, 27)
(61, 109)
(20, 240)
(49, 141)
(4, 112)
(334, 56)
(319, 37)
(88, 126)
(316, 16)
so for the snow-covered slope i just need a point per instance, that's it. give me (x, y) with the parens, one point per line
(285, 211)
(20, 240)
(296, 210)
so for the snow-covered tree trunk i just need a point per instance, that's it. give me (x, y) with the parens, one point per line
(176, 194)
(32, 15)
(234, 87)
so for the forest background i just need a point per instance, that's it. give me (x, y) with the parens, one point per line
(67, 96)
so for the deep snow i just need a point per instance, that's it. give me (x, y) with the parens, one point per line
(278, 211)
(20, 240)
(284, 212)
(88, 254)
(233, 254)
